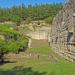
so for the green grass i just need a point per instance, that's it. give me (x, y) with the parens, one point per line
(58, 69)
(38, 66)
(41, 50)
(63, 68)
(41, 66)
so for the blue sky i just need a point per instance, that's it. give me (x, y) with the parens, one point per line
(10, 3)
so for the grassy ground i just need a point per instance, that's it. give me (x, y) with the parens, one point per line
(28, 63)
(41, 50)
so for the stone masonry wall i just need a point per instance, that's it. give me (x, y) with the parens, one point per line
(63, 32)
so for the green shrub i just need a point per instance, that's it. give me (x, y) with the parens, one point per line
(14, 41)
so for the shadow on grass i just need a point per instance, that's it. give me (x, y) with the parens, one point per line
(21, 71)
(5, 62)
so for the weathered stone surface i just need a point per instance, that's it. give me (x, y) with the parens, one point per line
(63, 32)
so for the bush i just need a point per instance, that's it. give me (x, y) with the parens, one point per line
(14, 41)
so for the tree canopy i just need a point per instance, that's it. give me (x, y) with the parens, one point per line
(36, 12)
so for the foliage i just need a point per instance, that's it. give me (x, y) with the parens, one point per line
(36, 12)
(49, 20)
(13, 40)
(16, 19)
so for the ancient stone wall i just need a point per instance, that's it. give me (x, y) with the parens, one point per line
(63, 32)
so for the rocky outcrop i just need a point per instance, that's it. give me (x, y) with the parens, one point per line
(40, 33)
(32, 25)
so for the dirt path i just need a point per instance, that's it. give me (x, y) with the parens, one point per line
(39, 43)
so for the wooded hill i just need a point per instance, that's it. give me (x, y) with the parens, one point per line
(37, 12)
